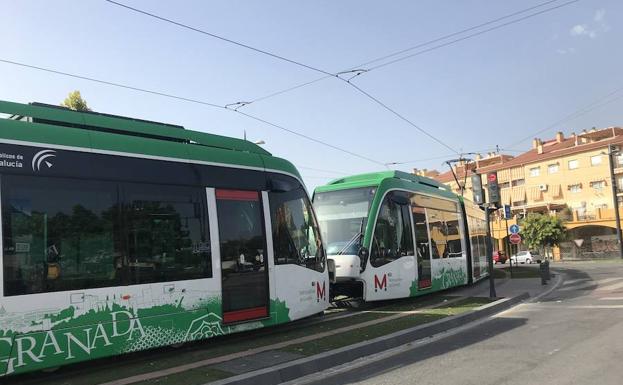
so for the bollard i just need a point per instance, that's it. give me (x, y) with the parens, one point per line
(544, 270)
(547, 274)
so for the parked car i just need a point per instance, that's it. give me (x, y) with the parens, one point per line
(499, 257)
(525, 257)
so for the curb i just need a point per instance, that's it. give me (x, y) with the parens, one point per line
(304, 366)
(559, 280)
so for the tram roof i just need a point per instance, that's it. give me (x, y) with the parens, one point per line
(55, 125)
(376, 178)
(89, 120)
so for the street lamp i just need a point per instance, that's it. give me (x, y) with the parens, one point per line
(259, 142)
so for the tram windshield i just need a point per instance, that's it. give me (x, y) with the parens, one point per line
(343, 216)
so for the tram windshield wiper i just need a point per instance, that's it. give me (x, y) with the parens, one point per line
(356, 238)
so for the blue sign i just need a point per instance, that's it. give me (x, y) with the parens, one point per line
(514, 229)
(507, 212)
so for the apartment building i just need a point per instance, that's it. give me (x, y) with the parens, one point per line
(564, 176)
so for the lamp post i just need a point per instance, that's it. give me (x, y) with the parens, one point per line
(613, 151)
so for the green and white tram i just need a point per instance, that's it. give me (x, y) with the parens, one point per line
(120, 235)
(393, 235)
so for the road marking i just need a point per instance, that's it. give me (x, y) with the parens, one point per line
(589, 284)
(608, 280)
(611, 287)
(611, 299)
(596, 307)
(575, 281)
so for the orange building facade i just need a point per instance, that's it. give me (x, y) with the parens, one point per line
(568, 177)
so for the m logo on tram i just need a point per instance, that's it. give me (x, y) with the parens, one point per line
(321, 292)
(380, 284)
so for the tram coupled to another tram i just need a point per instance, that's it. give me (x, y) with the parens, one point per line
(120, 235)
(395, 235)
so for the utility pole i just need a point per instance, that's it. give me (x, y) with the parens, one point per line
(612, 151)
(489, 251)
(507, 244)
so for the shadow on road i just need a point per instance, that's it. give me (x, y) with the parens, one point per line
(440, 347)
(579, 281)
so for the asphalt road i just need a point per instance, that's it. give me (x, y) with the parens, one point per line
(574, 335)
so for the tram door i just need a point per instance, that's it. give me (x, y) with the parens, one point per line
(244, 271)
(422, 247)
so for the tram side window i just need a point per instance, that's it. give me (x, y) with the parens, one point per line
(455, 236)
(167, 235)
(438, 231)
(422, 241)
(477, 238)
(296, 238)
(393, 236)
(58, 234)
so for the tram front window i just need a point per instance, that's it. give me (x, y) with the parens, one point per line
(343, 216)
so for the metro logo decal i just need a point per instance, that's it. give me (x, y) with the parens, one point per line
(40, 157)
(321, 292)
(380, 284)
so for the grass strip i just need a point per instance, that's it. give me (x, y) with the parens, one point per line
(360, 335)
(197, 376)
(363, 334)
(137, 364)
(523, 272)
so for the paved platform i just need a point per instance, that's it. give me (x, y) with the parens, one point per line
(507, 287)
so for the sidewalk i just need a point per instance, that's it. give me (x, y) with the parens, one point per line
(508, 288)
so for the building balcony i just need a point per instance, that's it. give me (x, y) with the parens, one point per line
(595, 215)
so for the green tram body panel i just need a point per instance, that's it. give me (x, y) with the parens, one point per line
(105, 321)
(385, 181)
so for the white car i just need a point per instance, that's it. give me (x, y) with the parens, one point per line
(525, 257)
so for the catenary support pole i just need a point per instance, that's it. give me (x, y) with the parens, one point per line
(615, 198)
(489, 250)
(507, 248)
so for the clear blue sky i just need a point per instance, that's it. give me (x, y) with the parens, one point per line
(492, 89)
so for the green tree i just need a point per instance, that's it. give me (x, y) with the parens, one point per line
(75, 102)
(542, 232)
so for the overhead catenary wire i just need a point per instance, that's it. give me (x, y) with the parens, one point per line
(600, 102)
(462, 31)
(402, 117)
(213, 35)
(191, 100)
(472, 35)
(308, 137)
(357, 71)
(322, 170)
(242, 104)
(421, 45)
(109, 83)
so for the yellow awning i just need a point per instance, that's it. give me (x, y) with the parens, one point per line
(519, 194)
(555, 191)
(517, 173)
(535, 193)
(505, 195)
(504, 175)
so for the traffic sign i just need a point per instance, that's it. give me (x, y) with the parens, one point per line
(514, 229)
(515, 239)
